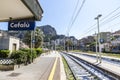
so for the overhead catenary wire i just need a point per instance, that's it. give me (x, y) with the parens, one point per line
(102, 25)
(67, 30)
(72, 16)
(80, 8)
(111, 18)
(112, 25)
(91, 28)
(110, 13)
(105, 18)
(88, 31)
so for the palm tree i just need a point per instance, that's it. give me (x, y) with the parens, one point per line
(37, 37)
(68, 44)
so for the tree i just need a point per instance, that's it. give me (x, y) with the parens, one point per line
(68, 44)
(37, 36)
(27, 38)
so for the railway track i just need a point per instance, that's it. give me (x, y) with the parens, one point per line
(83, 70)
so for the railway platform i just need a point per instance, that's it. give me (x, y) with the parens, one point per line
(46, 67)
(107, 65)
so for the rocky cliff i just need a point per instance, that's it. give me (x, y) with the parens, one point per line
(49, 32)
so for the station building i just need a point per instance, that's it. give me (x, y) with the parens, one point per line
(17, 10)
(9, 43)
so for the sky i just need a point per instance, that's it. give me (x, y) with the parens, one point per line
(58, 14)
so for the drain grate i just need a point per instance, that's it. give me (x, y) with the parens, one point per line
(14, 74)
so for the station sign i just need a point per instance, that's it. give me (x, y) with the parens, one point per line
(21, 25)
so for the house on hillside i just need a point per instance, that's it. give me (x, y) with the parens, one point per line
(114, 44)
(87, 43)
(106, 36)
(111, 41)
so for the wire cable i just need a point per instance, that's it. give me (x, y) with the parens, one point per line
(76, 16)
(110, 13)
(72, 16)
(105, 22)
(111, 19)
(112, 25)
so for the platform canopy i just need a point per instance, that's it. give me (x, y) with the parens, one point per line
(20, 10)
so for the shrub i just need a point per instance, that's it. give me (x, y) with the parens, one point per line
(26, 50)
(33, 55)
(4, 53)
(19, 57)
(24, 56)
(39, 51)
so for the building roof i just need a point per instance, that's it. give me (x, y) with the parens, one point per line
(20, 10)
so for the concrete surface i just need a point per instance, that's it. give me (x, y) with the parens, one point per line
(39, 70)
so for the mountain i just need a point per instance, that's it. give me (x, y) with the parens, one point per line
(18, 34)
(58, 37)
(49, 32)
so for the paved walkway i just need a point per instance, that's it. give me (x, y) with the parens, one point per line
(110, 57)
(39, 70)
(104, 64)
(62, 71)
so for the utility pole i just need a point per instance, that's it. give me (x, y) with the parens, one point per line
(64, 43)
(33, 40)
(68, 42)
(55, 44)
(31, 45)
(97, 18)
(96, 39)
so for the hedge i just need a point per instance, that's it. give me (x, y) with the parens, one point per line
(4, 53)
(39, 51)
(19, 57)
(33, 55)
(24, 56)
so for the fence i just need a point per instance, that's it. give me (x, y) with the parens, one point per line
(6, 61)
(6, 64)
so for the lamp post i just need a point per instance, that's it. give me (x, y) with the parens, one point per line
(31, 44)
(68, 43)
(96, 39)
(97, 18)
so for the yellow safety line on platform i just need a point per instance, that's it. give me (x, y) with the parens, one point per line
(53, 70)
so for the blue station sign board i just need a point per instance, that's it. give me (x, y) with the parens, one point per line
(21, 25)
